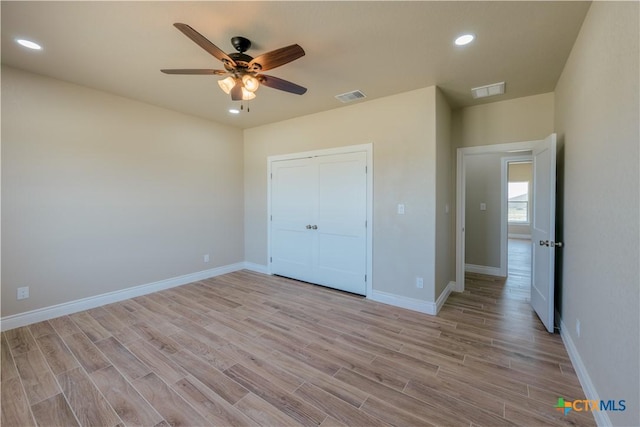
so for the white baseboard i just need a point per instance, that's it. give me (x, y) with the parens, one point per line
(414, 304)
(46, 313)
(451, 286)
(483, 269)
(601, 417)
(256, 268)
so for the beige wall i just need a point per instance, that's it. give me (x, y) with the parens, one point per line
(101, 193)
(482, 228)
(402, 129)
(445, 256)
(597, 110)
(522, 119)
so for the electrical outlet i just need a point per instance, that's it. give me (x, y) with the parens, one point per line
(401, 209)
(23, 293)
(578, 327)
(205, 258)
(419, 282)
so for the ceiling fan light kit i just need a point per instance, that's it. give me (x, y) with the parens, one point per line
(243, 71)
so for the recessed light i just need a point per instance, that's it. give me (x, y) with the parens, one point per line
(464, 39)
(234, 111)
(28, 44)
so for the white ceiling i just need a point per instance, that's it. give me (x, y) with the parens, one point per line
(381, 48)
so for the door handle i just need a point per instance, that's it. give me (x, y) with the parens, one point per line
(551, 244)
(314, 227)
(308, 227)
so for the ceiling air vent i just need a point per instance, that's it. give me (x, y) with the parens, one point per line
(488, 90)
(350, 96)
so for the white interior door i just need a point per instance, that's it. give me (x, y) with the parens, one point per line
(293, 209)
(543, 230)
(318, 220)
(342, 214)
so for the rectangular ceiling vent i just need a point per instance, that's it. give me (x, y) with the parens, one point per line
(350, 96)
(488, 90)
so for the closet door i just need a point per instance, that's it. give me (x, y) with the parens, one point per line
(318, 222)
(294, 202)
(342, 214)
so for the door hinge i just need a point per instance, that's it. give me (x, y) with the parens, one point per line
(271, 217)
(366, 169)
(365, 223)
(270, 259)
(365, 278)
(271, 176)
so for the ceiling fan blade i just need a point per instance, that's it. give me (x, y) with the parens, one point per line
(204, 43)
(194, 71)
(236, 93)
(280, 84)
(276, 58)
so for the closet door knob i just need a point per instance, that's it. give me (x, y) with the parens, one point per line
(314, 227)
(308, 227)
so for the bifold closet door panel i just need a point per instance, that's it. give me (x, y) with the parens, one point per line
(293, 208)
(342, 214)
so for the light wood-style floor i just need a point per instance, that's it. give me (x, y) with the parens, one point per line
(249, 349)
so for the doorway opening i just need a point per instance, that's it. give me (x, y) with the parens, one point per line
(486, 215)
(519, 201)
(543, 155)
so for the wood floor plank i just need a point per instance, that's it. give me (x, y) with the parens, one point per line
(37, 380)
(64, 326)
(124, 399)
(130, 366)
(263, 413)
(210, 405)
(289, 404)
(20, 340)
(54, 411)
(175, 410)
(338, 408)
(41, 328)
(85, 400)
(118, 327)
(211, 355)
(86, 352)
(56, 353)
(215, 380)
(160, 364)
(15, 406)
(420, 408)
(90, 326)
(157, 336)
(390, 414)
(474, 414)
(8, 368)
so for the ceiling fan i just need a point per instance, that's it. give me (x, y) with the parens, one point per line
(244, 71)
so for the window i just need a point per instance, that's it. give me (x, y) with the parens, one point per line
(518, 202)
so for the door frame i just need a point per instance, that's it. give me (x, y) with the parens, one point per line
(366, 148)
(509, 150)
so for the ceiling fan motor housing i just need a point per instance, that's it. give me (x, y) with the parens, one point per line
(241, 44)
